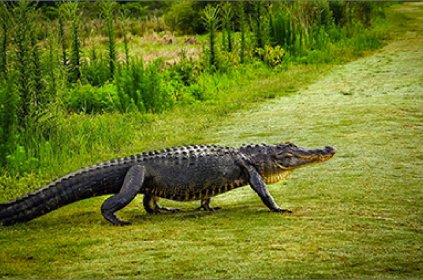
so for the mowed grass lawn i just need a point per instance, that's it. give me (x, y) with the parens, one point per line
(359, 215)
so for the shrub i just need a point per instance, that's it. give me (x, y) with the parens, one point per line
(129, 85)
(155, 98)
(90, 99)
(19, 162)
(272, 56)
(96, 72)
(185, 17)
(141, 88)
(186, 70)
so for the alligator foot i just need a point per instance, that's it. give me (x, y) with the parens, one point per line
(157, 209)
(132, 183)
(152, 207)
(209, 209)
(167, 209)
(123, 223)
(112, 218)
(205, 205)
(280, 210)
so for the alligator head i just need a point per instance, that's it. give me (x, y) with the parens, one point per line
(275, 162)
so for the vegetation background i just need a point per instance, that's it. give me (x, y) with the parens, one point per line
(86, 82)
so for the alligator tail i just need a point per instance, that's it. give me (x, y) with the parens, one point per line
(59, 193)
(3, 206)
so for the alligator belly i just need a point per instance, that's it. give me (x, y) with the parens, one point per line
(191, 193)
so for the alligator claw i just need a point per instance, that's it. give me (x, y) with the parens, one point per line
(280, 210)
(208, 208)
(114, 220)
(158, 209)
(122, 223)
(167, 209)
(205, 205)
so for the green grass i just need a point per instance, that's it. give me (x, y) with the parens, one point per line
(356, 216)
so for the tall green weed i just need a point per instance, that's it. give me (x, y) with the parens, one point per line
(96, 71)
(141, 88)
(8, 118)
(89, 99)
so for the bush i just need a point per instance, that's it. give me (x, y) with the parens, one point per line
(185, 17)
(141, 88)
(272, 56)
(96, 72)
(186, 70)
(90, 99)
(19, 163)
(365, 41)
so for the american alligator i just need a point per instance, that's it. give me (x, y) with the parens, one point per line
(196, 172)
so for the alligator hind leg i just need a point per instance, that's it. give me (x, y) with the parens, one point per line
(152, 207)
(205, 205)
(132, 183)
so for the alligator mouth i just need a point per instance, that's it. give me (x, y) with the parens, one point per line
(318, 155)
(314, 155)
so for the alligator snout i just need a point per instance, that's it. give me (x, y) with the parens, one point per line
(329, 150)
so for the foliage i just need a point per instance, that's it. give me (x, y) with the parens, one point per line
(107, 9)
(5, 25)
(52, 71)
(124, 29)
(72, 13)
(27, 73)
(271, 56)
(20, 163)
(96, 71)
(70, 67)
(243, 30)
(141, 88)
(187, 69)
(89, 99)
(227, 20)
(8, 118)
(211, 21)
(282, 31)
(62, 37)
(260, 20)
(185, 17)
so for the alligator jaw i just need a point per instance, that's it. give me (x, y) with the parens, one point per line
(318, 155)
(305, 157)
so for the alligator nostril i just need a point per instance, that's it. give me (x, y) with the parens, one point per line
(329, 149)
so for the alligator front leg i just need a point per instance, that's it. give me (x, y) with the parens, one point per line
(152, 207)
(132, 183)
(257, 184)
(205, 205)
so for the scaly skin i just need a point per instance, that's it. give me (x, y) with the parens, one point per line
(185, 173)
